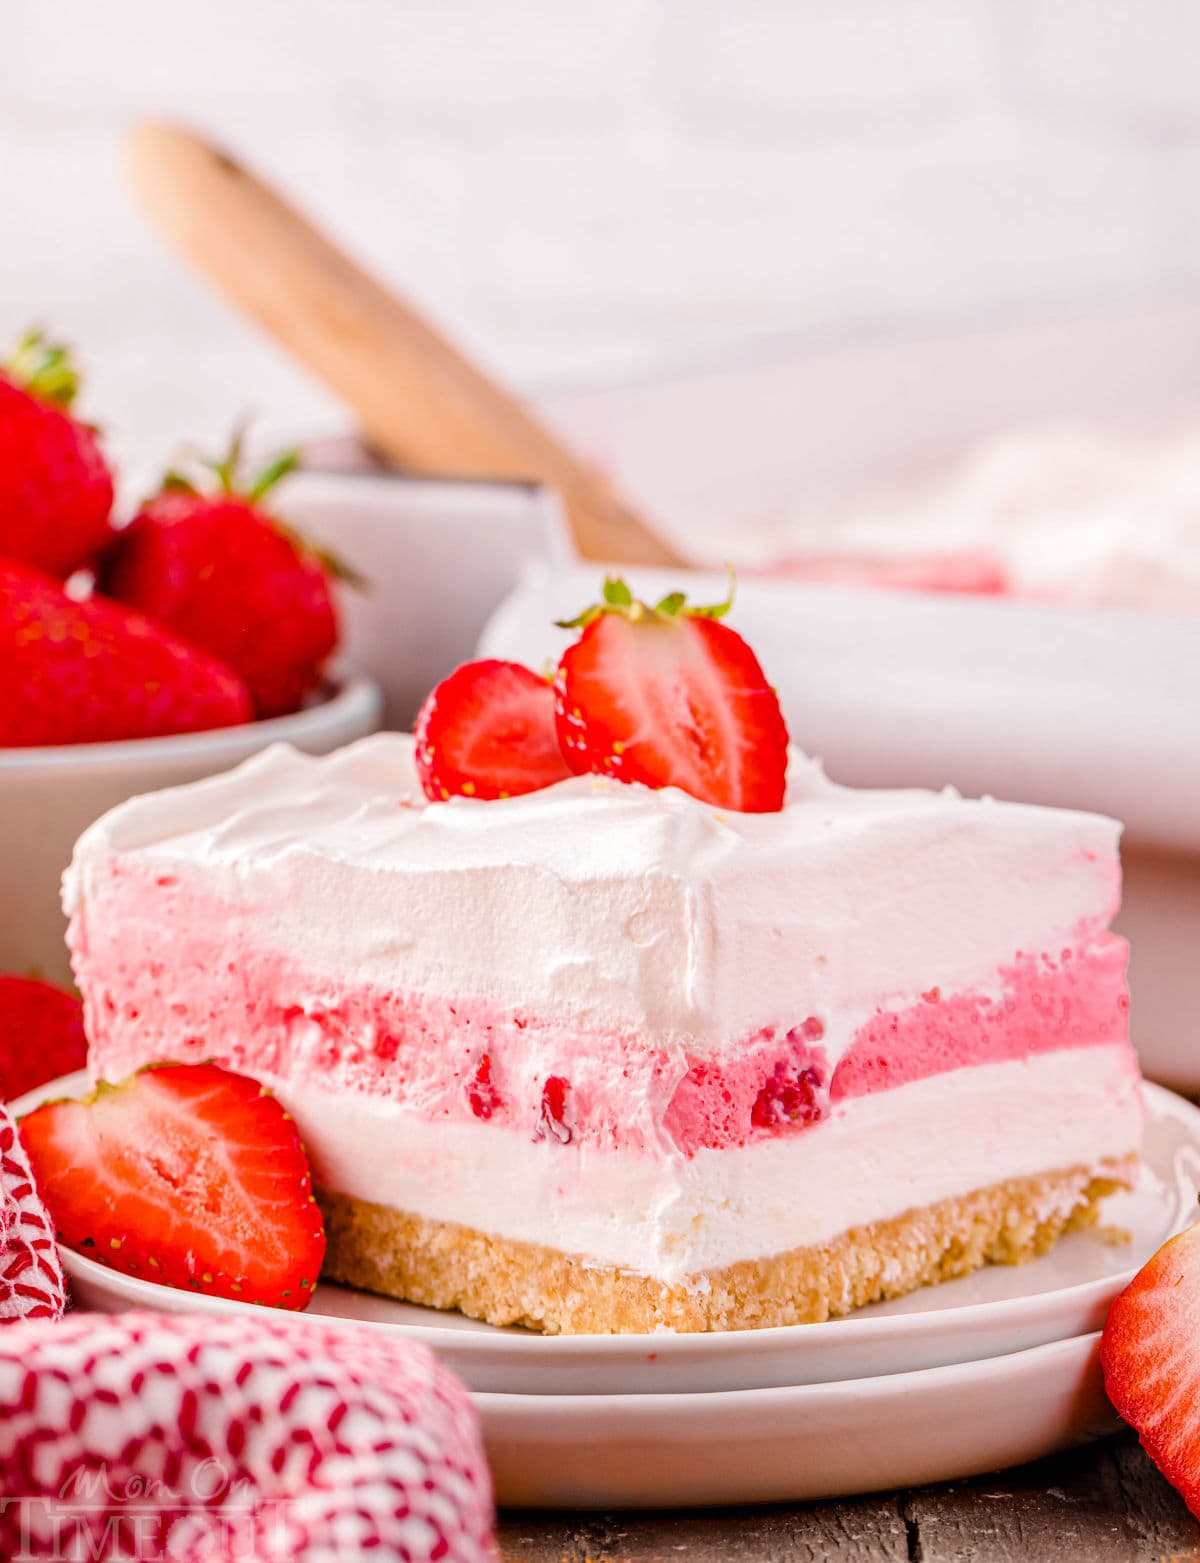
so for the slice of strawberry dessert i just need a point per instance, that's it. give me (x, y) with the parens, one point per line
(677, 1041)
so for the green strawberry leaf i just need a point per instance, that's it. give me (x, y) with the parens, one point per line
(43, 368)
(228, 474)
(616, 597)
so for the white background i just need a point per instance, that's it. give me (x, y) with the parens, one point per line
(588, 190)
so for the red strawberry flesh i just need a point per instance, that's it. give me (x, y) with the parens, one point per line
(673, 699)
(552, 1116)
(186, 1174)
(1150, 1351)
(488, 731)
(482, 1095)
(788, 1096)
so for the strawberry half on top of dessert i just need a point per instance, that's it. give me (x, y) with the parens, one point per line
(597, 1012)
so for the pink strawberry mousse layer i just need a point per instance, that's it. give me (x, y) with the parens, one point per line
(604, 993)
(460, 1057)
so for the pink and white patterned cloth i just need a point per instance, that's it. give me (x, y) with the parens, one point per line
(31, 1276)
(221, 1438)
(214, 1439)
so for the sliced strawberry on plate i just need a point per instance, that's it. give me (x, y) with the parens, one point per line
(488, 731)
(1150, 1351)
(41, 1034)
(670, 697)
(186, 1174)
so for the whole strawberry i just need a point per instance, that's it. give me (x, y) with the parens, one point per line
(221, 571)
(41, 1034)
(668, 696)
(86, 672)
(56, 492)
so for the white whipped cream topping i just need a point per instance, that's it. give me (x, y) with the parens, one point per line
(875, 1157)
(613, 906)
(1076, 514)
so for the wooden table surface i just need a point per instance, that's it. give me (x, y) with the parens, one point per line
(1104, 1501)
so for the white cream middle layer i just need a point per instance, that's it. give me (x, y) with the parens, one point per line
(875, 1157)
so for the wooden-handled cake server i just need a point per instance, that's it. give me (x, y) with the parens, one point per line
(420, 403)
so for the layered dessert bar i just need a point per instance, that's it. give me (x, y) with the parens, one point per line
(608, 1058)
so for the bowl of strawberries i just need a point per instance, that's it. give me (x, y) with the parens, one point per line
(141, 655)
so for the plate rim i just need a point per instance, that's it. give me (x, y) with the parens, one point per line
(684, 1403)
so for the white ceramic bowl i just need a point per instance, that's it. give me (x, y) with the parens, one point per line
(49, 796)
(438, 558)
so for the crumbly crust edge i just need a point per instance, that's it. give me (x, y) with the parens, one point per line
(501, 1281)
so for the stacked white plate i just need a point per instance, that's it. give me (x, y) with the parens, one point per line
(993, 1370)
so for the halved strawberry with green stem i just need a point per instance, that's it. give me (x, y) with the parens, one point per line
(669, 696)
(187, 1174)
(488, 731)
(1150, 1351)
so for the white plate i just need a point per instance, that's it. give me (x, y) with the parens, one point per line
(815, 1441)
(997, 1310)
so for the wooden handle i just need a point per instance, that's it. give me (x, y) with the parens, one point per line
(419, 401)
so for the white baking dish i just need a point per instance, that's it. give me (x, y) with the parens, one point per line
(791, 428)
(1095, 710)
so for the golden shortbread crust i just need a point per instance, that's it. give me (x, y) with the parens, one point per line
(504, 1282)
